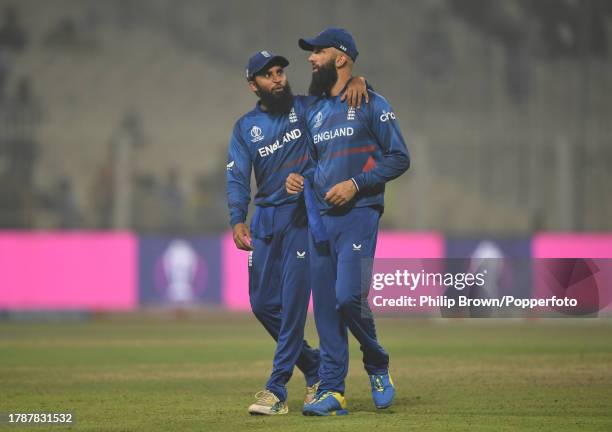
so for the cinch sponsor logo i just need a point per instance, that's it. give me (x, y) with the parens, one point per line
(385, 116)
(328, 135)
(269, 149)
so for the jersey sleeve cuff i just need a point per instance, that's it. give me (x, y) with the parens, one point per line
(236, 219)
(360, 182)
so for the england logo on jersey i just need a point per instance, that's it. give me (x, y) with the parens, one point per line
(256, 134)
(318, 119)
(351, 114)
(292, 116)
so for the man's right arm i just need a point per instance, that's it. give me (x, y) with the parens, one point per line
(295, 181)
(238, 176)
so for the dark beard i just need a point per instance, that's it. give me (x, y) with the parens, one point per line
(276, 103)
(323, 80)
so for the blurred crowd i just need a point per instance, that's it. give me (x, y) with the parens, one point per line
(120, 193)
(155, 203)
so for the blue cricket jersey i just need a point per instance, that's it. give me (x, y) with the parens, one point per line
(274, 146)
(363, 144)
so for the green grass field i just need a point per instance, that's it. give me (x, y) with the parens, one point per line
(200, 374)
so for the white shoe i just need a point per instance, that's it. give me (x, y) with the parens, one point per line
(266, 403)
(311, 392)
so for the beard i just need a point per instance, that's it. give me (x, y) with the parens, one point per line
(323, 80)
(279, 102)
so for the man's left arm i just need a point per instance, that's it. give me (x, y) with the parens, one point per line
(356, 91)
(396, 159)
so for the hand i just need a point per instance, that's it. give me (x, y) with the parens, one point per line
(341, 193)
(294, 184)
(242, 237)
(355, 92)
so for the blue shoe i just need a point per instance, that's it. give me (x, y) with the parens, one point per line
(326, 404)
(383, 390)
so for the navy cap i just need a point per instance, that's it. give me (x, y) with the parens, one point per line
(332, 37)
(260, 60)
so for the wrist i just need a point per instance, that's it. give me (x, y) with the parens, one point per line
(235, 222)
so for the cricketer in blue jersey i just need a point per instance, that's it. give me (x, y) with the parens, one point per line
(356, 151)
(270, 140)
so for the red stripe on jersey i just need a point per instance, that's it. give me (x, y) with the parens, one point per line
(369, 165)
(294, 162)
(354, 150)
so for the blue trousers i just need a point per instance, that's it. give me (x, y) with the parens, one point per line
(339, 296)
(279, 291)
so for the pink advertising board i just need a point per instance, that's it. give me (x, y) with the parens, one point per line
(80, 270)
(390, 245)
(572, 245)
(582, 267)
